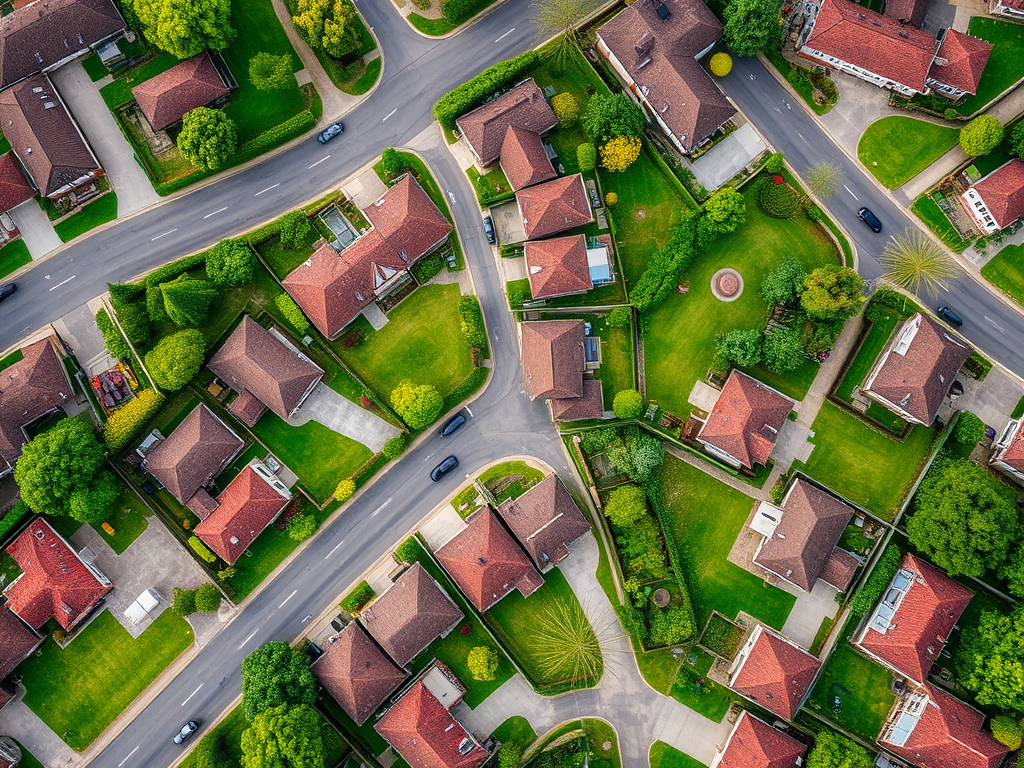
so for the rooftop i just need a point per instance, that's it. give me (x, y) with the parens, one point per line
(746, 420)
(486, 128)
(545, 520)
(29, 389)
(755, 744)
(775, 673)
(1003, 192)
(165, 98)
(553, 361)
(554, 206)
(558, 267)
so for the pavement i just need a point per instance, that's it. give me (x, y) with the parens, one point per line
(341, 415)
(79, 331)
(728, 157)
(809, 611)
(993, 399)
(23, 725)
(36, 229)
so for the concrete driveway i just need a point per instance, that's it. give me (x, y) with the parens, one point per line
(341, 415)
(36, 230)
(728, 157)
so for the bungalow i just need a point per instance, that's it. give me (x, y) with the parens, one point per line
(752, 743)
(654, 47)
(773, 672)
(545, 520)
(556, 355)
(914, 619)
(195, 82)
(997, 200)
(1008, 453)
(554, 207)
(913, 374)
(17, 640)
(745, 421)
(1013, 9)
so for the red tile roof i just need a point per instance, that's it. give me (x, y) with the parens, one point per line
(755, 744)
(165, 98)
(912, 11)
(247, 506)
(858, 36)
(545, 520)
(776, 674)
(1003, 192)
(423, 732)
(54, 581)
(14, 187)
(553, 358)
(918, 631)
(590, 406)
(17, 641)
(486, 563)
(949, 733)
(965, 58)
(554, 206)
(524, 160)
(356, 673)
(32, 387)
(746, 420)
(408, 219)
(486, 127)
(1013, 454)
(558, 267)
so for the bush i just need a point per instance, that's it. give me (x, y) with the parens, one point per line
(418, 405)
(200, 549)
(357, 598)
(586, 157)
(509, 755)
(628, 404)
(740, 347)
(208, 138)
(287, 306)
(130, 311)
(783, 350)
(113, 341)
(129, 421)
(268, 72)
(331, 26)
(183, 602)
(567, 108)
(187, 300)
(472, 322)
(302, 526)
(408, 551)
(483, 663)
(612, 115)
(394, 447)
(981, 135)
(207, 599)
(391, 161)
(721, 64)
(427, 269)
(211, 752)
(18, 513)
(226, 574)
(970, 430)
(660, 278)
(176, 359)
(620, 317)
(620, 152)
(293, 228)
(866, 597)
(671, 625)
(776, 163)
(626, 504)
(459, 11)
(474, 92)
(1007, 731)
(231, 262)
(780, 201)
(172, 269)
(596, 440)
(611, 199)
(345, 490)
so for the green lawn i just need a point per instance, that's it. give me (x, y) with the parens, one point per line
(12, 256)
(600, 733)
(1005, 271)
(664, 756)
(693, 688)
(94, 67)
(527, 477)
(438, 27)
(92, 215)
(1005, 65)
(895, 149)
(283, 260)
(129, 520)
(517, 729)
(109, 670)
(928, 211)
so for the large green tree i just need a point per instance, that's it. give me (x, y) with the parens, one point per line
(991, 660)
(284, 737)
(273, 675)
(832, 293)
(187, 300)
(784, 283)
(185, 28)
(231, 262)
(963, 518)
(208, 138)
(418, 404)
(725, 210)
(1017, 140)
(329, 25)
(784, 350)
(981, 135)
(611, 115)
(753, 26)
(834, 751)
(176, 359)
(740, 347)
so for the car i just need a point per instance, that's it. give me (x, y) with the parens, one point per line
(949, 316)
(452, 425)
(330, 132)
(8, 289)
(186, 732)
(489, 230)
(443, 468)
(865, 215)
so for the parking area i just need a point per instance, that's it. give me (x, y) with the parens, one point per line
(508, 223)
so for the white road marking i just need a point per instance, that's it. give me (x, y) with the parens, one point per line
(267, 190)
(995, 324)
(450, 195)
(219, 210)
(505, 35)
(777, 110)
(336, 547)
(469, 411)
(389, 114)
(314, 165)
(381, 507)
(192, 694)
(288, 598)
(164, 234)
(851, 192)
(126, 759)
(58, 285)
(248, 639)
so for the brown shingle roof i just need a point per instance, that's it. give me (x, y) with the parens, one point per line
(45, 138)
(811, 524)
(1003, 192)
(165, 98)
(356, 673)
(524, 160)
(32, 387)
(17, 641)
(776, 674)
(554, 206)
(523, 107)
(755, 744)
(965, 57)
(906, 10)
(38, 36)
(916, 377)
(553, 358)
(254, 360)
(545, 520)
(407, 218)
(247, 408)
(14, 187)
(746, 420)
(590, 406)
(558, 267)
(839, 569)
(247, 506)
(193, 454)
(410, 615)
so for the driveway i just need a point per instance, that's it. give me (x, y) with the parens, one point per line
(728, 157)
(36, 230)
(993, 399)
(809, 611)
(79, 331)
(25, 727)
(365, 189)
(341, 415)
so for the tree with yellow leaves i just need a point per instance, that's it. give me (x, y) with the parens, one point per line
(620, 153)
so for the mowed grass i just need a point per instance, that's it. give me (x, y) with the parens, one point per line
(895, 149)
(1005, 271)
(664, 756)
(873, 345)
(12, 256)
(108, 670)
(92, 215)
(706, 517)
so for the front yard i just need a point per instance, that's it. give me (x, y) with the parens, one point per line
(1005, 66)
(90, 216)
(13, 256)
(1005, 271)
(664, 756)
(897, 148)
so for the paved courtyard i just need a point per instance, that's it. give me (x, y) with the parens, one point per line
(341, 415)
(728, 157)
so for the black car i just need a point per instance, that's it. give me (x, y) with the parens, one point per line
(186, 732)
(949, 316)
(7, 289)
(330, 132)
(443, 468)
(865, 215)
(452, 425)
(489, 230)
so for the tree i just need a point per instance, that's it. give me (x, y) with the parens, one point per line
(187, 300)
(211, 752)
(509, 755)
(646, 453)
(991, 660)
(824, 178)
(586, 157)
(391, 161)
(208, 138)
(783, 350)
(331, 26)
(832, 293)
(753, 26)
(775, 163)
(1017, 140)
(725, 210)
(207, 598)
(567, 108)
(721, 64)
(783, 284)
(981, 135)
(483, 663)
(626, 504)
(417, 404)
(620, 152)
(275, 675)
(301, 526)
(628, 404)
(394, 447)
(619, 317)
(831, 750)
(970, 430)
(284, 737)
(231, 262)
(915, 262)
(962, 518)
(294, 228)
(271, 73)
(60, 472)
(185, 28)
(1012, 571)
(176, 359)
(183, 601)
(611, 115)
(565, 644)
(1007, 731)
(739, 347)
(559, 21)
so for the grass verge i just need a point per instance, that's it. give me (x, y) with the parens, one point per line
(895, 149)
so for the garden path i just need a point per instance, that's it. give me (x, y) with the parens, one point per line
(341, 415)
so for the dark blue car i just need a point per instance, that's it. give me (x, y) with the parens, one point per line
(330, 132)
(443, 468)
(452, 424)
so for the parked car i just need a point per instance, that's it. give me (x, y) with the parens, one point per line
(330, 132)
(7, 289)
(443, 468)
(949, 316)
(865, 215)
(452, 425)
(186, 732)
(489, 230)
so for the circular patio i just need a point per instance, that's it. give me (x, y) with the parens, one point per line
(727, 284)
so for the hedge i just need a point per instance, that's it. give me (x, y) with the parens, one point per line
(200, 549)
(866, 597)
(12, 518)
(130, 311)
(408, 551)
(113, 341)
(653, 491)
(473, 323)
(358, 597)
(287, 307)
(473, 92)
(129, 421)
(469, 385)
(662, 273)
(175, 268)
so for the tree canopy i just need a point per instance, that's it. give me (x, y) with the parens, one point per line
(176, 359)
(832, 293)
(208, 138)
(626, 504)
(185, 28)
(271, 73)
(187, 300)
(284, 737)
(725, 210)
(831, 750)
(231, 262)
(740, 347)
(991, 660)
(609, 115)
(784, 283)
(329, 25)
(783, 350)
(275, 675)
(628, 404)
(753, 26)
(981, 135)
(418, 404)
(483, 663)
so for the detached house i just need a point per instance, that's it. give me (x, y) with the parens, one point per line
(17, 641)
(14, 187)
(997, 200)
(554, 207)
(1008, 453)
(565, 266)
(545, 520)
(773, 672)
(753, 743)
(556, 355)
(196, 82)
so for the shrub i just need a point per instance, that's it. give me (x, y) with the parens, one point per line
(981, 135)
(357, 598)
(619, 317)
(211, 752)
(231, 262)
(620, 152)
(131, 313)
(783, 284)
(721, 64)
(302, 526)
(329, 25)
(391, 161)
(586, 157)
(776, 163)
(950, 114)
(473, 92)
(472, 322)
(200, 549)
(208, 138)
(418, 405)
(187, 300)
(969, 429)
(155, 308)
(268, 72)
(345, 490)
(172, 269)
(291, 312)
(611, 199)
(394, 447)
(662, 273)
(783, 350)
(866, 597)
(176, 359)
(408, 551)
(671, 625)
(567, 108)
(459, 11)
(1007, 731)
(18, 513)
(740, 347)
(483, 663)
(628, 404)
(608, 116)
(596, 440)
(780, 201)
(113, 341)
(509, 755)
(626, 504)
(226, 574)
(293, 228)
(183, 602)
(207, 598)
(129, 421)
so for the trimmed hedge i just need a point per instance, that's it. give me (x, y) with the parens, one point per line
(177, 267)
(200, 549)
(469, 385)
(358, 597)
(662, 273)
(472, 322)
(408, 551)
(19, 512)
(113, 341)
(292, 313)
(661, 512)
(866, 597)
(129, 421)
(473, 92)
(125, 298)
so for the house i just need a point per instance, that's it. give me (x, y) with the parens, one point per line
(30, 389)
(654, 47)
(753, 743)
(195, 453)
(47, 141)
(932, 729)
(249, 503)
(421, 728)
(55, 582)
(14, 187)
(410, 615)
(486, 563)
(554, 206)
(558, 267)
(1008, 450)
(556, 355)
(959, 63)
(545, 521)
(997, 200)
(333, 288)
(913, 621)
(913, 374)
(745, 421)
(1013, 9)
(773, 672)
(800, 538)
(907, 11)
(266, 370)
(195, 82)
(17, 641)
(43, 35)
(589, 406)
(356, 673)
